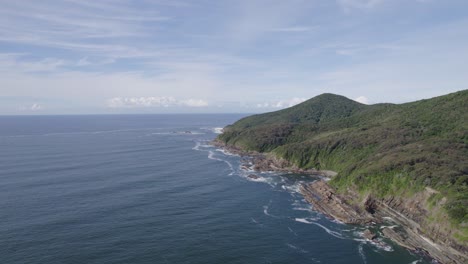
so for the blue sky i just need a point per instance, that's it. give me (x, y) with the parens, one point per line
(162, 56)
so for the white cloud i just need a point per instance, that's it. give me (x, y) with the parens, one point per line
(362, 100)
(76, 25)
(140, 102)
(194, 103)
(36, 107)
(281, 103)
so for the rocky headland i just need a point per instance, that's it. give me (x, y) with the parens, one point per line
(401, 163)
(404, 217)
(258, 161)
(351, 208)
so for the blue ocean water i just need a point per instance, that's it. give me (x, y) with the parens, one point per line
(150, 189)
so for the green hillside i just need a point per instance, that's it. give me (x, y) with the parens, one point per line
(382, 149)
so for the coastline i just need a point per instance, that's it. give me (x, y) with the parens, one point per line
(350, 208)
(265, 162)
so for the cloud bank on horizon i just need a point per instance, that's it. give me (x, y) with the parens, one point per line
(119, 56)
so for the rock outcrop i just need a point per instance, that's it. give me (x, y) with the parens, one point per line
(406, 214)
(324, 199)
(414, 231)
(267, 162)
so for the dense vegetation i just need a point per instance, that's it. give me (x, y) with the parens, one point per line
(384, 149)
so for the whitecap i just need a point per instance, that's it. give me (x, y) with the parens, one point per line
(292, 231)
(256, 222)
(294, 188)
(379, 244)
(217, 130)
(336, 221)
(361, 253)
(199, 145)
(383, 246)
(297, 248)
(265, 212)
(302, 220)
(331, 232)
(227, 153)
(211, 155)
(308, 209)
(259, 179)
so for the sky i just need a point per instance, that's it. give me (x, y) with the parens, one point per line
(239, 56)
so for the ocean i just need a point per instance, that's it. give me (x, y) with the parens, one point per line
(150, 189)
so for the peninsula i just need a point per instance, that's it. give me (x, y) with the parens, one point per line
(404, 162)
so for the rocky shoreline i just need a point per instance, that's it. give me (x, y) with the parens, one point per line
(349, 208)
(263, 162)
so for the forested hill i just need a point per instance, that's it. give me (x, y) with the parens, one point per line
(384, 149)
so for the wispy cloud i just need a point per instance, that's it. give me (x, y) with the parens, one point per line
(347, 5)
(228, 55)
(81, 26)
(254, 19)
(138, 102)
(291, 29)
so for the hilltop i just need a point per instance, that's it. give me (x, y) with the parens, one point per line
(381, 152)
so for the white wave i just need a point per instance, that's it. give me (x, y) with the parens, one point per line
(227, 153)
(243, 168)
(256, 222)
(330, 232)
(360, 240)
(292, 231)
(199, 145)
(308, 209)
(265, 212)
(217, 130)
(379, 244)
(336, 221)
(301, 205)
(302, 220)
(349, 230)
(259, 179)
(361, 253)
(416, 261)
(297, 248)
(383, 246)
(211, 155)
(294, 188)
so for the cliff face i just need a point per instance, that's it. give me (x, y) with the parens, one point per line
(408, 217)
(409, 160)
